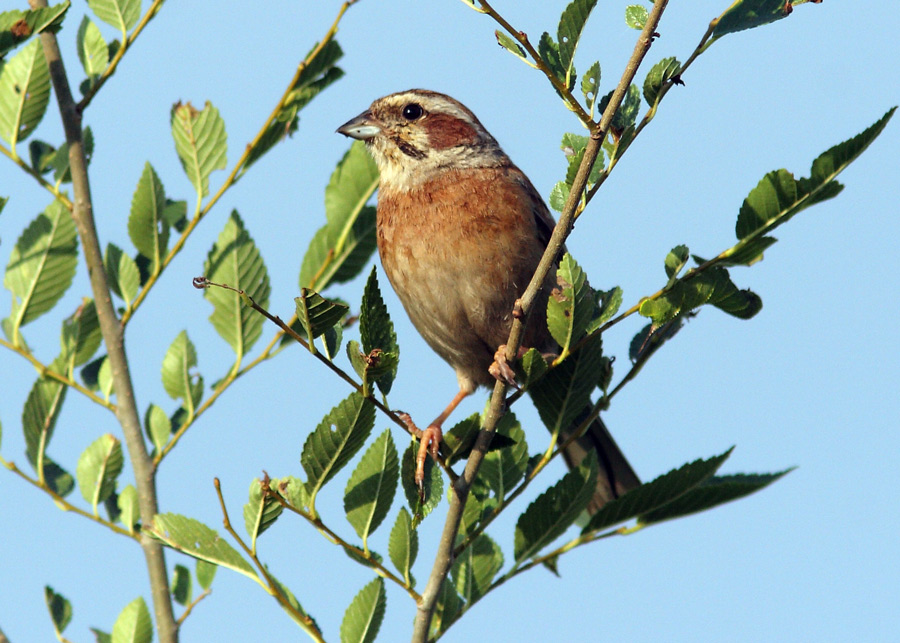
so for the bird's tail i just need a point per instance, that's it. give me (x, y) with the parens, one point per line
(616, 475)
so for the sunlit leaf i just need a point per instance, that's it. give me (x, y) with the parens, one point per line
(98, 467)
(195, 539)
(200, 141)
(24, 93)
(364, 615)
(133, 625)
(121, 14)
(371, 487)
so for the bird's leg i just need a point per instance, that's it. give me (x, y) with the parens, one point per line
(430, 438)
(501, 369)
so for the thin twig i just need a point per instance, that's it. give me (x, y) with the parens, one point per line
(44, 183)
(460, 488)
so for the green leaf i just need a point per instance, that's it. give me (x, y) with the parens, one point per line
(293, 490)
(205, 573)
(364, 615)
(570, 305)
(177, 379)
(100, 636)
(661, 73)
(559, 195)
(655, 494)
(747, 14)
(372, 366)
(314, 77)
(336, 439)
(636, 16)
(549, 52)
(376, 328)
(81, 336)
(235, 260)
(510, 45)
(121, 14)
(627, 113)
(607, 305)
(24, 93)
(371, 487)
(92, 49)
(710, 493)
(35, 21)
(555, 510)
(340, 249)
(195, 539)
(60, 609)
(181, 585)
(590, 85)
(129, 511)
(475, 568)
(432, 485)
(403, 545)
(503, 469)
(97, 470)
(133, 624)
(318, 315)
(148, 230)
(778, 196)
(712, 286)
(448, 607)
(531, 368)
(42, 408)
(260, 512)
(574, 145)
(41, 265)
(200, 141)
(566, 390)
(675, 261)
(571, 24)
(158, 426)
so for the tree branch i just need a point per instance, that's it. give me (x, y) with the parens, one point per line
(113, 336)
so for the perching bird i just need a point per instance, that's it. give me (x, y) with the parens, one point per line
(460, 233)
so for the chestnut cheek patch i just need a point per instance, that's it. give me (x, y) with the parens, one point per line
(445, 131)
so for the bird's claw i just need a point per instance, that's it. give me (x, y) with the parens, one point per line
(429, 441)
(501, 370)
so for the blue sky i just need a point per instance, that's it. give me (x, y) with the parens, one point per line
(811, 382)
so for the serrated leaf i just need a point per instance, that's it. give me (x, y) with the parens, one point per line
(447, 609)
(318, 315)
(312, 79)
(510, 45)
(675, 260)
(627, 113)
(571, 24)
(713, 286)
(195, 539)
(607, 305)
(370, 366)
(260, 512)
(376, 328)
(121, 14)
(42, 408)
(147, 229)
(177, 378)
(205, 573)
(710, 493)
(18, 26)
(294, 491)
(747, 14)
(475, 567)
(778, 196)
(530, 368)
(555, 510)
(235, 260)
(403, 545)
(133, 625)
(200, 141)
(655, 493)
(559, 195)
(565, 391)
(24, 93)
(41, 265)
(432, 485)
(123, 273)
(502, 469)
(129, 510)
(98, 467)
(636, 16)
(574, 145)
(570, 305)
(365, 613)
(340, 249)
(336, 439)
(93, 51)
(371, 487)
(81, 336)
(549, 52)
(661, 73)
(60, 609)
(590, 85)
(181, 585)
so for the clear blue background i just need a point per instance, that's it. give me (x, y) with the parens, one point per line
(811, 382)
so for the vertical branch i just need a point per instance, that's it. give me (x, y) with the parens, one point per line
(460, 488)
(113, 335)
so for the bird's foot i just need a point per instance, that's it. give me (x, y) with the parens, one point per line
(429, 441)
(501, 370)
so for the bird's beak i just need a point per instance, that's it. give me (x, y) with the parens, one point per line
(363, 127)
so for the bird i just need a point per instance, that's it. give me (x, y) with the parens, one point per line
(460, 230)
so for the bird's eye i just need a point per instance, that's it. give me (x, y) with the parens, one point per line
(412, 111)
